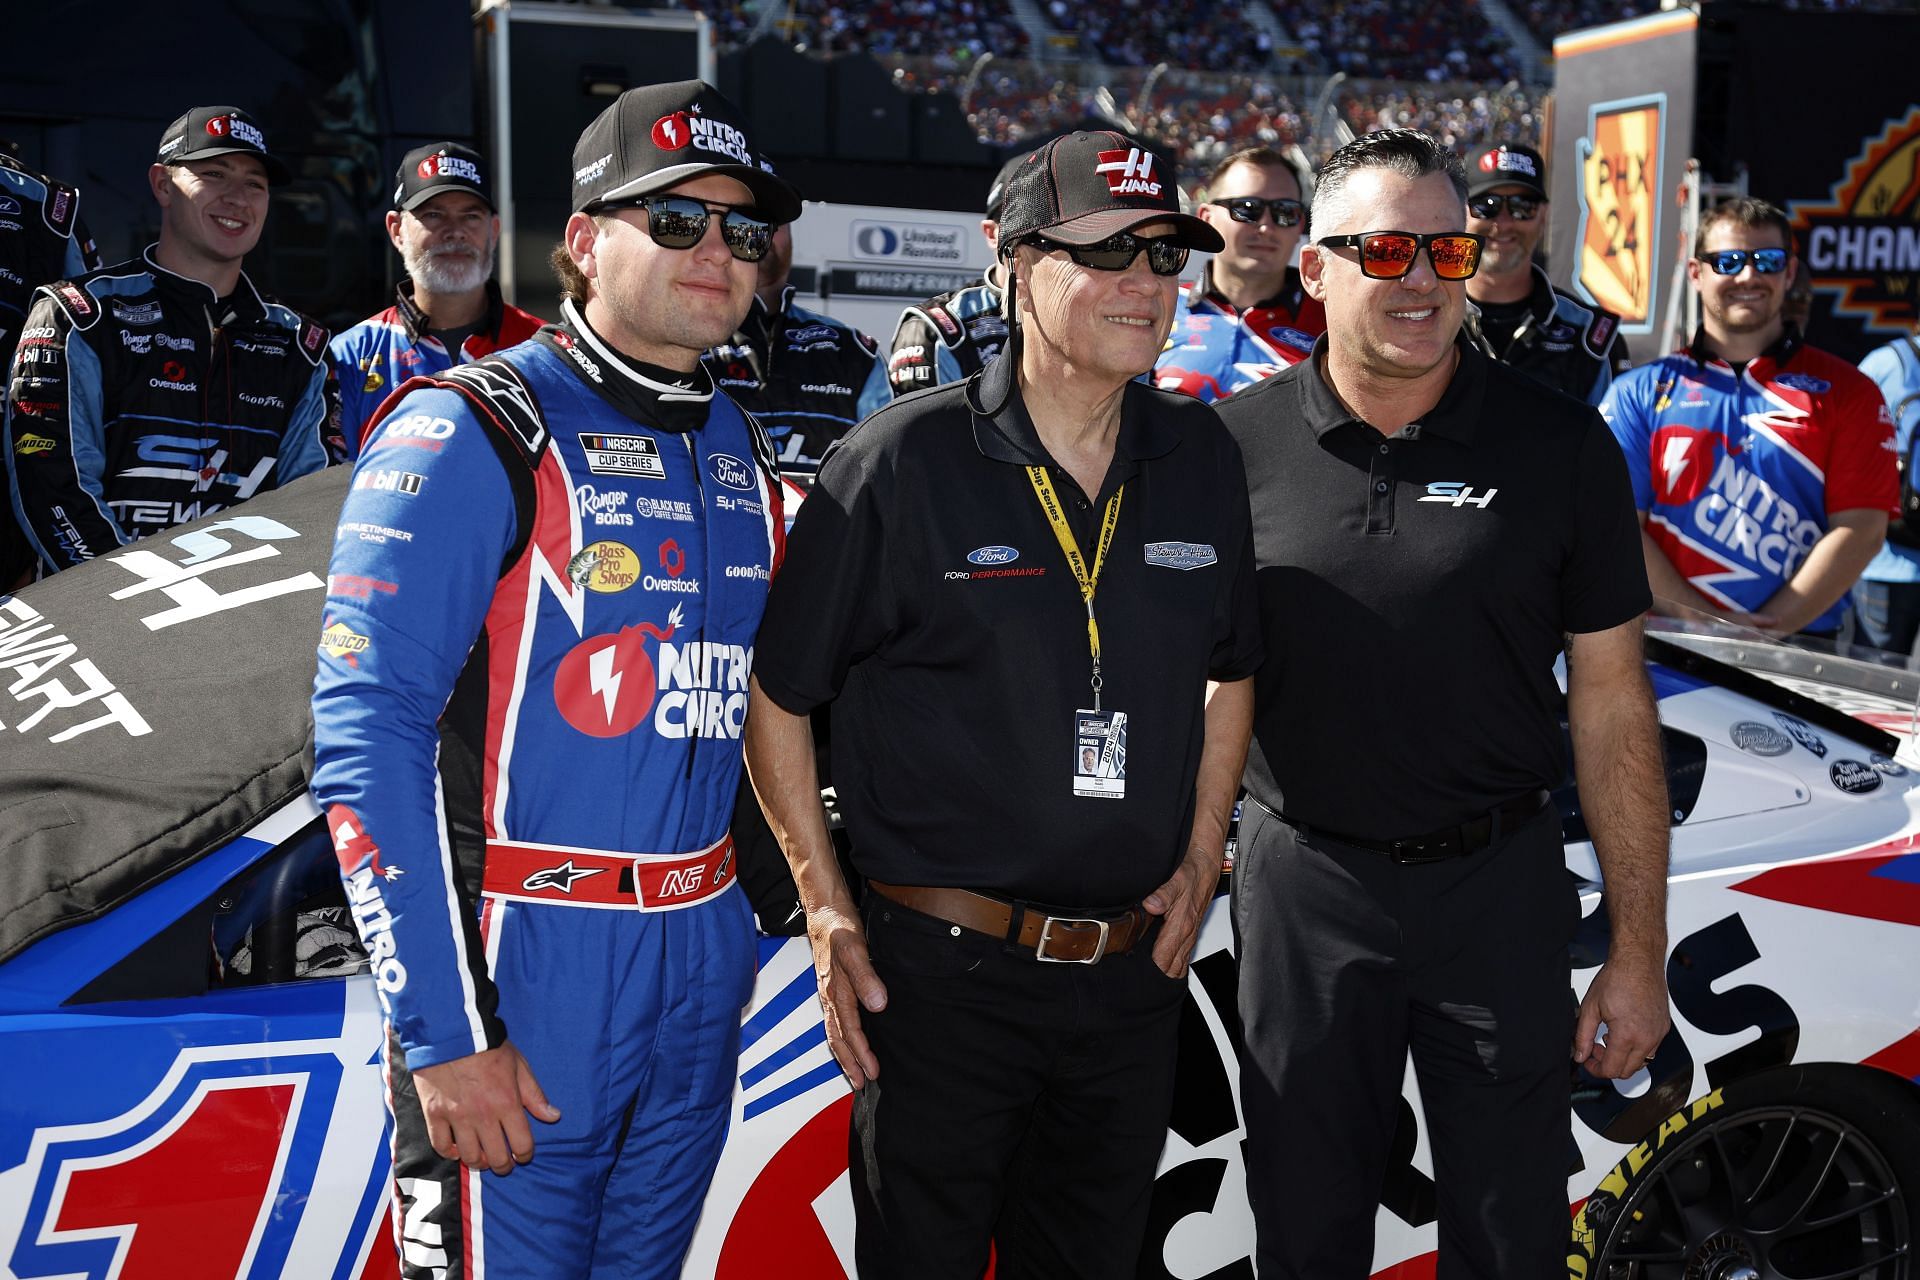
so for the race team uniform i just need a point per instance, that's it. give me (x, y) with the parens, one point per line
(383, 351)
(532, 678)
(140, 400)
(41, 239)
(1739, 469)
(1887, 597)
(946, 338)
(806, 377)
(1559, 340)
(1214, 351)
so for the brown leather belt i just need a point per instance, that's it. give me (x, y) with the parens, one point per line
(1057, 939)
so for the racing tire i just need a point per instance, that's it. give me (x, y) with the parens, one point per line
(1789, 1174)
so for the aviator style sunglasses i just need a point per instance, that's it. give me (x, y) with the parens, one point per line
(1283, 212)
(677, 222)
(1388, 255)
(1488, 206)
(1731, 262)
(1165, 255)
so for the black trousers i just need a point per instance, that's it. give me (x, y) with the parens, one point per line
(1348, 961)
(1018, 1104)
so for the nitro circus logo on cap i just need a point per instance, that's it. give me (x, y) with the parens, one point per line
(1504, 161)
(679, 129)
(237, 129)
(672, 132)
(446, 166)
(1129, 172)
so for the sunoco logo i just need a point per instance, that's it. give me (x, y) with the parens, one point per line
(1863, 241)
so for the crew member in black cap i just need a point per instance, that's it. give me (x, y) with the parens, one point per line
(448, 310)
(1433, 531)
(1517, 315)
(529, 538)
(162, 389)
(989, 582)
(953, 335)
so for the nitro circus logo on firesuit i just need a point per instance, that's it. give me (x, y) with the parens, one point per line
(608, 685)
(353, 847)
(1732, 507)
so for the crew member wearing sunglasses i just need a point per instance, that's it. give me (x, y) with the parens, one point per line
(1763, 468)
(1517, 315)
(1431, 528)
(1014, 590)
(1248, 316)
(525, 538)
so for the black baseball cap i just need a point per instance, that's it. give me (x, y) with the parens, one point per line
(660, 135)
(1506, 164)
(1084, 187)
(997, 193)
(427, 171)
(218, 131)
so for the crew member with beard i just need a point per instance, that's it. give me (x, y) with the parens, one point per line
(448, 310)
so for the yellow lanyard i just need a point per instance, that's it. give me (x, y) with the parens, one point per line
(1089, 582)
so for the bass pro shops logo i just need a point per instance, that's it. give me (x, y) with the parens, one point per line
(1863, 241)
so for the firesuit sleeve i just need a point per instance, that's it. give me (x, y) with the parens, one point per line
(1624, 409)
(425, 528)
(913, 360)
(56, 462)
(350, 375)
(876, 390)
(303, 445)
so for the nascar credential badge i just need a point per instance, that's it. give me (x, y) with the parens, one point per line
(1181, 555)
(632, 455)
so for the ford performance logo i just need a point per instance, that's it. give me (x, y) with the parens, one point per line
(993, 555)
(730, 471)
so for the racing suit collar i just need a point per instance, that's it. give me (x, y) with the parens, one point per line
(1456, 417)
(417, 322)
(1004, 432)
(645, 392)
(1700, 347)
(246, 302)
(1288, 297)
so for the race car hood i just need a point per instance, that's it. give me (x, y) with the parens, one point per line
(154, 704)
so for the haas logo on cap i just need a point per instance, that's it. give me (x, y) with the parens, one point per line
(1129, 173)
(672, 132)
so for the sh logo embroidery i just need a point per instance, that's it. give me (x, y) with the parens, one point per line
(1460, 495)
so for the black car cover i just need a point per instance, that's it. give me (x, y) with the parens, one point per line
(153, 704)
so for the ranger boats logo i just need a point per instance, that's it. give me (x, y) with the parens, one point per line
(1863, 240)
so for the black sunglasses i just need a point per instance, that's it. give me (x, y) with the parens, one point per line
(1388, 255)
(1282, 212)
(1731, 262)
(679, 222)
(1488, 206)
(1165, 255)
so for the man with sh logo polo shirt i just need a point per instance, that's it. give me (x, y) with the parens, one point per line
(1432, 530)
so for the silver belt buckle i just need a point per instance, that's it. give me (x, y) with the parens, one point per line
(1046, 931)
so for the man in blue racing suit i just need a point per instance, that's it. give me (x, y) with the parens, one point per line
(532, 679)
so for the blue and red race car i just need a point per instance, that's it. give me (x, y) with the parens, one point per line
(190, 1076)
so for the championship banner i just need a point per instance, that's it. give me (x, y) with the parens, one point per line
(1624, 109)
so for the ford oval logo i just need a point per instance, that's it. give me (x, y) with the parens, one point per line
(993, 555)
(730, 471)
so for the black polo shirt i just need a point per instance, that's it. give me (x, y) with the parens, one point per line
(1415, 591)
(954, 682)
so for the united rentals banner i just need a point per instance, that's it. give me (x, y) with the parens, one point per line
(1623, 115)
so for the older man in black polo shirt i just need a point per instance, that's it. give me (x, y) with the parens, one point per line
(1015, 589)
(1432, 529)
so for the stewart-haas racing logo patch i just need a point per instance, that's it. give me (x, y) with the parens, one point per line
(1863, 241)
